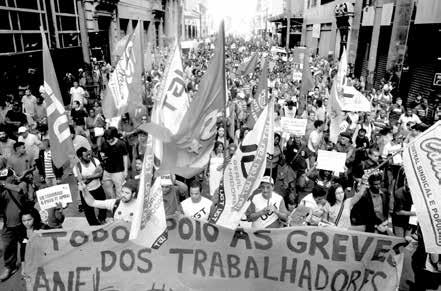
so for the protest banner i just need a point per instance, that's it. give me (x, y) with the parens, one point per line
(331, 161)
(49, 197)
(202, 256)
(354, 101)
(422, 165)
(294, 126)
(243, 173)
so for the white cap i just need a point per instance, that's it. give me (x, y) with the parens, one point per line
(22, 129)
(166, 180)
(267, 179)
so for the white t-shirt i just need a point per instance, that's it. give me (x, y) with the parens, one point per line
(86, 171)
(199, 210)
(314, 140)
(32, 144)
(405, 119)
(77, 94)
(125, 211)
(260, 203)
(29, 103)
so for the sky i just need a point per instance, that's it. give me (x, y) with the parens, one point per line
(240, 11)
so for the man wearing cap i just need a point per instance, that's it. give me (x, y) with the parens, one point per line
(196, 206)
(344, 145)
(267, 208)
(31, 141)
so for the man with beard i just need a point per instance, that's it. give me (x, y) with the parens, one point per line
(371, 212)
(6, 144)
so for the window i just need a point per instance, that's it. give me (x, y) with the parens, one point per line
(32, 41)
(4, 20)
(29, 20)
(326, 1)
(7, 43)
(65, 6)
(28, 4)
(67, 23)
(69, 39)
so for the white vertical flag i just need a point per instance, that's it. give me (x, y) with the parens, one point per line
(243, 173)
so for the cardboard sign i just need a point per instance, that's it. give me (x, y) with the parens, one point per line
(202, 256)
(331, 161)
(294, 126)
(49, 197)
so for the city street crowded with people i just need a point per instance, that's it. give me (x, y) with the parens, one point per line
(215, 153)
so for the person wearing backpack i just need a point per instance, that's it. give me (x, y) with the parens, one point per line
(89, 171)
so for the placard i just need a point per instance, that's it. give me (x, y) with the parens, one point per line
(49, 197)
(295, 126)
(331, 161)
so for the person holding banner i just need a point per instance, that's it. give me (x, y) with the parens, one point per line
(267, 208)
(122, 208)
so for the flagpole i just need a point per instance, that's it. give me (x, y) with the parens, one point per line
(225, 89)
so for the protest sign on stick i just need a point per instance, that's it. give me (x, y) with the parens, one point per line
(49, 197)
(294, 126)
(331, 161)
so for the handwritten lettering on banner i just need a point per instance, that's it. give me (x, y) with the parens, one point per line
(294, 126)
(49, 197)
(331, 161)
(202, 256)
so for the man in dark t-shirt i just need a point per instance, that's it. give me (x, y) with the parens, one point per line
(14, 119)
(115, 163)
(78, 114)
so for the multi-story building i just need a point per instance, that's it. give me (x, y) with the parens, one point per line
(397, 42)
(20, 52)
(278, 13)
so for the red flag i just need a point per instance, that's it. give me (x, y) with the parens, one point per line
(124, 92)
(261, 98)
(188, 152)
(249, 66)
(58, 125)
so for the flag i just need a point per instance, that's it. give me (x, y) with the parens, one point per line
(261, 98)
(335, 103)
(58, 124)
(307, 80)
(161, 36)
(124, 90)
(245, 170)
(188, 153)
(421, 161)
(149, 226)
(248, 66)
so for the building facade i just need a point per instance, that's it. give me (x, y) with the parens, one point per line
(20, 52)
(328, 26)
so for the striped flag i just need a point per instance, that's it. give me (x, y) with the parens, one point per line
(149, 226)
(261, 98)
(58, 125)
(243, 173)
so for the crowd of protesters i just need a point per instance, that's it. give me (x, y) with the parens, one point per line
(371, 195)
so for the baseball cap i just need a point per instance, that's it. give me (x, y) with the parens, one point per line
(22, 129)
(166, 180)
(267, 179)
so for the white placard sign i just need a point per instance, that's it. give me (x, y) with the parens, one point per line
(294, 126)
(331, 161)
(49, 197)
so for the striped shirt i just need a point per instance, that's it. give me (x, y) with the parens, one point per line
(48, 170)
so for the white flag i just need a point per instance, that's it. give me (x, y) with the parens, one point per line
(243, 173)
(422, 164)
(149, 226)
